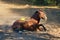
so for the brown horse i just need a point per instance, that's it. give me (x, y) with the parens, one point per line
(32, 24)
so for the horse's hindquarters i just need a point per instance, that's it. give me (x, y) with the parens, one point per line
(17, 26)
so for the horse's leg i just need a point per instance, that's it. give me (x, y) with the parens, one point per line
(42, 26)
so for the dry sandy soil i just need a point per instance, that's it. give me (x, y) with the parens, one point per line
(10, 12)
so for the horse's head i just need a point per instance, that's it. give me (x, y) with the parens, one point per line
(39, 15)
(42, 14)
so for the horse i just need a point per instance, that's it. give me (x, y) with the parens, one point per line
(32, 24)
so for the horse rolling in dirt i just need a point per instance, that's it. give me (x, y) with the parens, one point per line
(32, 24)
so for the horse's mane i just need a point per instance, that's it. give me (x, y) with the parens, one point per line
(36, 16)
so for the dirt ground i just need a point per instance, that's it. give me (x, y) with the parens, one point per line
(10, 12)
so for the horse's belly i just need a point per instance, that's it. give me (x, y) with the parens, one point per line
(29, 28)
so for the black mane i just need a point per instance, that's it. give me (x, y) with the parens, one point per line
(36, 16)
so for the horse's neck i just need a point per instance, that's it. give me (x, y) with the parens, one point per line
(33, 20)
(36, 17)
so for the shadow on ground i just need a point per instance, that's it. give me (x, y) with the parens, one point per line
(25, 35)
